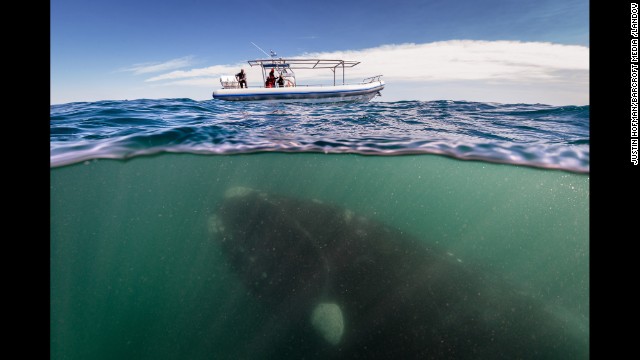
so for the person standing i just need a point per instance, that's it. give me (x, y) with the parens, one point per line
(271, 80)
(241, 77)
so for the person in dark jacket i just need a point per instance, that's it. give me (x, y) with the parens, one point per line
(241, 77)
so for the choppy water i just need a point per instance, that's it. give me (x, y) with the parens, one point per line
(137, 273)
(533, 135)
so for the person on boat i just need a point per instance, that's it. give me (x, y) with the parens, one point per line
(280, 81)
(271, 80)
(241, 77)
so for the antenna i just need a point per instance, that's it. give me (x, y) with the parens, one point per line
(259, 48)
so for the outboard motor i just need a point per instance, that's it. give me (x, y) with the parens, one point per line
(229, 82)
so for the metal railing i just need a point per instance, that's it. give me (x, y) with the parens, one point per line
(371, 79)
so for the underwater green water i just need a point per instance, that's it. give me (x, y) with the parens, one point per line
(134, 273)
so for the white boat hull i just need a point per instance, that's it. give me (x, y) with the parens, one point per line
(315, 94)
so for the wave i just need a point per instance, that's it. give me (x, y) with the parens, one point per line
(537, 135)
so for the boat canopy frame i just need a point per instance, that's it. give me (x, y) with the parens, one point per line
(286, 66)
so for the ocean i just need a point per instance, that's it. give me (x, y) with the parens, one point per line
(138, 270)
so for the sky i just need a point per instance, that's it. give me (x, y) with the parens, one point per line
(504, 51)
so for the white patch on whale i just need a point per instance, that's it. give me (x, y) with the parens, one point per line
(348, 215)
(328, 321)
(215, 224)
(238, 191)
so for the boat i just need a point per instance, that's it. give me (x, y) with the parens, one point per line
(292, 91)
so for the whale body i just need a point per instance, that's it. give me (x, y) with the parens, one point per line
(339, 285)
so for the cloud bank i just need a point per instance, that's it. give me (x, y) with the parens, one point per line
(505, 66)
(469, 60)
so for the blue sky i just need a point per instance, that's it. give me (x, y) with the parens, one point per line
(477, 50)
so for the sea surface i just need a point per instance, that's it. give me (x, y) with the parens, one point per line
(136, 272)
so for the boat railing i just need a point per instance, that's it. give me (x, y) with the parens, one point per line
(371, 79)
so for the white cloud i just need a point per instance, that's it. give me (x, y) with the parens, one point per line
(446, 60)
(499, 71)
(152, 67)
(211, 71)
(467, 60)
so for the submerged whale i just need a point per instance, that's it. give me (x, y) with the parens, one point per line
(340, 285)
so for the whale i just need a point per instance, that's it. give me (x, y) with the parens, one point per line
(340, 285)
